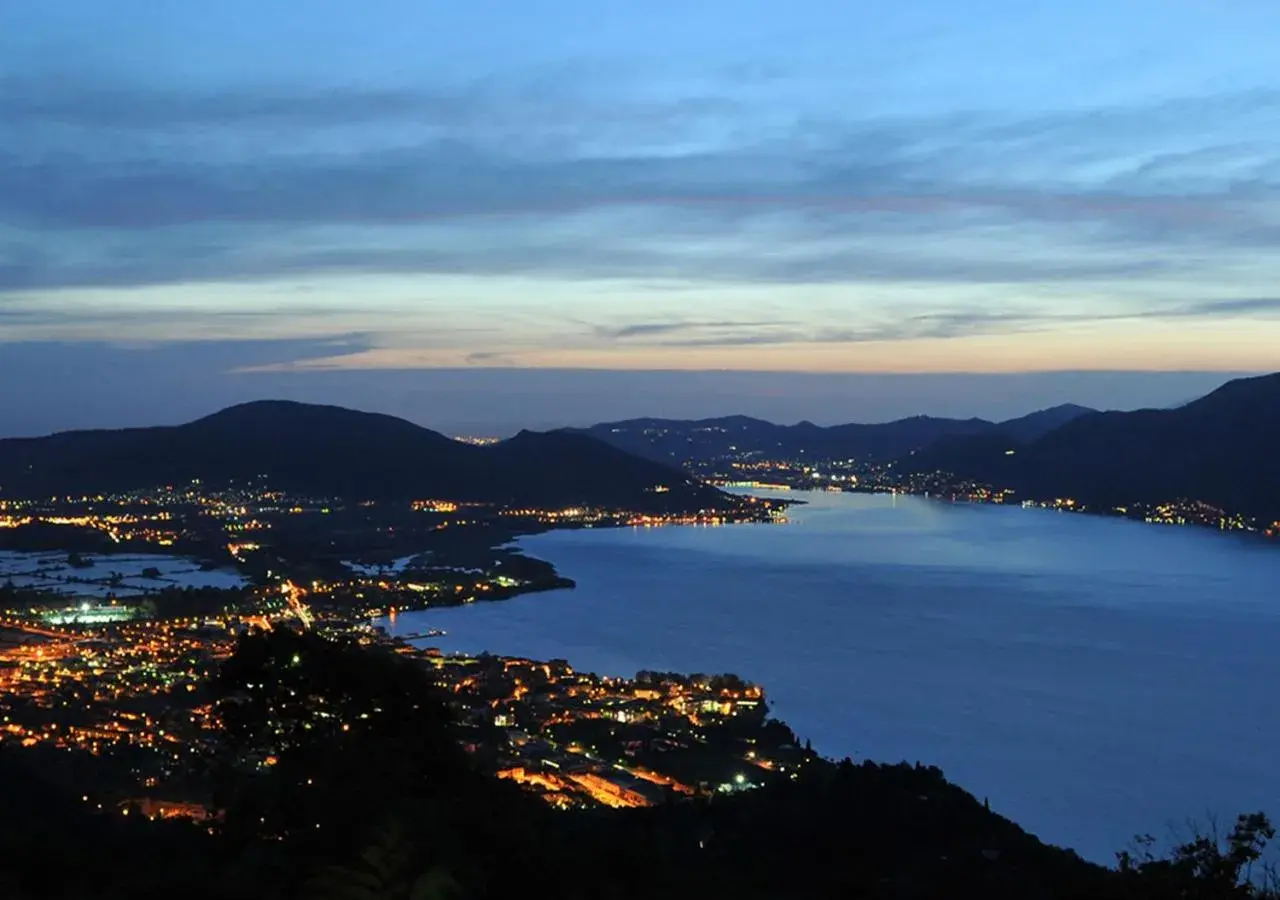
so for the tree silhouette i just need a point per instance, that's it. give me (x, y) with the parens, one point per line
(1208, 867)
(385, 871)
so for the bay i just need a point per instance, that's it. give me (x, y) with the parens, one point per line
(1093, 678)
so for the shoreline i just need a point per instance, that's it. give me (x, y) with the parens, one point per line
(548, 630)
(1254, 530)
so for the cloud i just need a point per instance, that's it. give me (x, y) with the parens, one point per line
(1234, 306)
(589, 246)
(445, 180)
(488, 358)
(768, 337)
(551, 98)
(974, 323)
(481, 148)
(63, 101)
(255, 188)
(44, 319)
(651, 329)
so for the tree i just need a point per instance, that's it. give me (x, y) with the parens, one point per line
(1207, 867)
(385, 871)
(350, 733)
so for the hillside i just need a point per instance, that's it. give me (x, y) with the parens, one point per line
(329, 451)
(1219, 449)
(679, 441)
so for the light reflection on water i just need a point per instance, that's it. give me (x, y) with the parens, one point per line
(1094, 678)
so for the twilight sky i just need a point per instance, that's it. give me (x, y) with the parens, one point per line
(487, 215)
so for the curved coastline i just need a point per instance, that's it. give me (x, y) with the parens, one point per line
(1036, 666)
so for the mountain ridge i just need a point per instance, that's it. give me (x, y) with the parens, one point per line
(676, 441)
(1218, 449)
(333, 451)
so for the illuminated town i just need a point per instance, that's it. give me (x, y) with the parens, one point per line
(580, 740)
(135, 693)
(116, 612)
(897, 477)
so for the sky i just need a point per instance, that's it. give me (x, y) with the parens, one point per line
(491, 215)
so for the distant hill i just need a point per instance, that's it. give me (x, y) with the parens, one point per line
(679, 441)
(1034, 425)
(1220, 449)
(330, 451)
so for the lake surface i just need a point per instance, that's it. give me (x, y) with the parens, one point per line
(1093, 678)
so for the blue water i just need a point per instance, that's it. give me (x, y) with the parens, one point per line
(1093, 678)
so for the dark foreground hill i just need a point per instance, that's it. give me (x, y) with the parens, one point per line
(1220, 449)
(679, 441)
(334, 452)
(372, 796)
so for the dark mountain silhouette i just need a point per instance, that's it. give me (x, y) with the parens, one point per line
(329, 451)
(1033, 425)
(679, 441)
(1220, 449)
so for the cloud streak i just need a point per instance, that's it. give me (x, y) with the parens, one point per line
(664, 329)
(869, 202)
(934, 326)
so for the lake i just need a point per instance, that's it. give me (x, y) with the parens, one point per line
(1094, 678)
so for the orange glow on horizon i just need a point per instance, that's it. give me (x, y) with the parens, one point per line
(1131, 346)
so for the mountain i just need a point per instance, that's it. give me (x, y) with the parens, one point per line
(679, 441)
(1220, 449)
(330, 451)
(1033, 425)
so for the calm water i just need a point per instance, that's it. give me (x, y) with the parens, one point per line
(1092, 678)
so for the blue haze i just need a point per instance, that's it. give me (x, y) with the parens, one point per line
(1093, 678)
